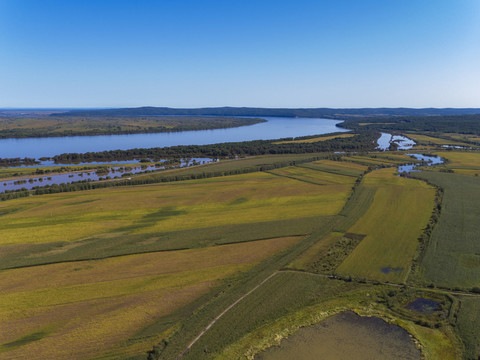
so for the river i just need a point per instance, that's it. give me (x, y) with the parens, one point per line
(274, 128)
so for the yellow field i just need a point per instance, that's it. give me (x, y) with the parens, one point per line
(400, 210)
(465, 137)
(370, 160)
(225, 200)
(79, 310)
(435, 140)
(315, 176)
(341, 165)
(461, 159)
(317, 139)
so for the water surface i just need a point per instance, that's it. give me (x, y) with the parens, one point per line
(274, 128)
(346, 336)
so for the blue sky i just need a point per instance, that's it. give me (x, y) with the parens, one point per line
(184, 53)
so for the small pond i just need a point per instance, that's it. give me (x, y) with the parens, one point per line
(346, 336)
(423, 306)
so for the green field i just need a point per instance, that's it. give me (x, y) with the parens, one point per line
(469, 326)
(452, 258)
(392, 235)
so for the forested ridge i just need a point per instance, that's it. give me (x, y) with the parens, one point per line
(282, 112)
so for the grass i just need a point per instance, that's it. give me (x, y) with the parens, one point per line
(309, 257)
(316, 139)
(291, 300)
(452, 258)
(94, 305)
(166, 207)
(468, 325)
(392, 236)
(285, 293)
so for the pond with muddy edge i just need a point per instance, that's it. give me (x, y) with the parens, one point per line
(346, 336)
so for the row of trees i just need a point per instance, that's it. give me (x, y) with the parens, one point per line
(363, 141)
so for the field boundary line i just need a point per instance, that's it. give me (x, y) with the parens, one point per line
(223, 313)
(292, 177)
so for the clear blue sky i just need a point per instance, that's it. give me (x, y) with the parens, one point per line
(184, 53)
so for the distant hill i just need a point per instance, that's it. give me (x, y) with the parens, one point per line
(249, 111)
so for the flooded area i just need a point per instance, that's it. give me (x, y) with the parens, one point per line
(402, 143)
(103, 173)
(427, 160)
(346, 336)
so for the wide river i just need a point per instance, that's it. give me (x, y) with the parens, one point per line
(274, 128)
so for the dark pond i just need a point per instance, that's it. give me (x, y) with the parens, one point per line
(346, 336)
(424, 306)
(387, 270)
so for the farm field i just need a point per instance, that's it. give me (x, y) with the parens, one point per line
(247, 198)
(337, 167)
(77, 310)
(426, 140)
(150, 264)
(465, 137)
(391, 237)
(378, 159)
(469, 325)
(452, 257)
(467, 163)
